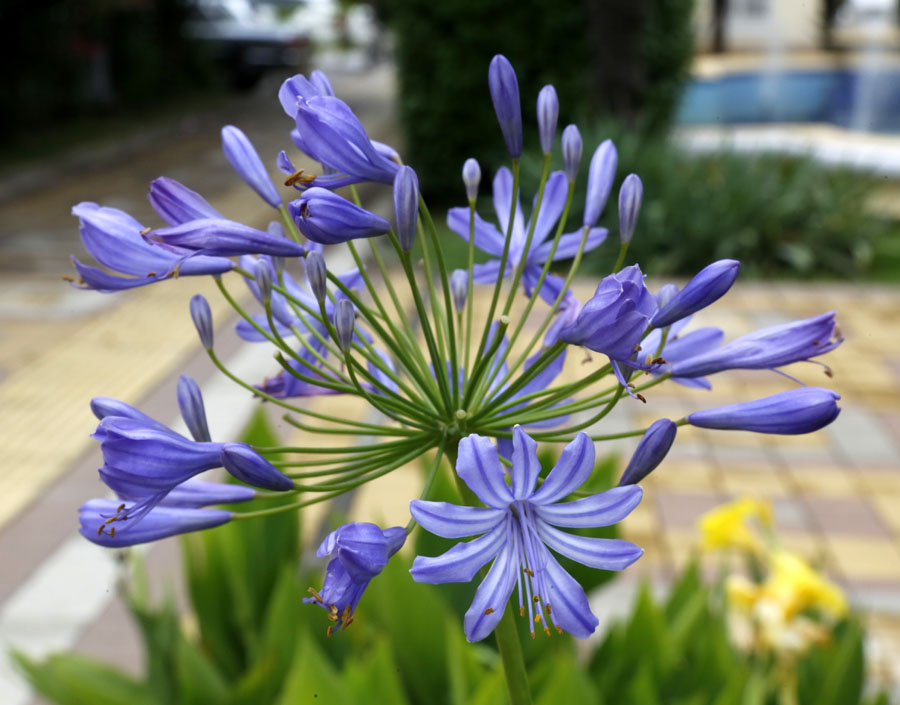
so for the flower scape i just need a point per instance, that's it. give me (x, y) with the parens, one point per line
(483, 393)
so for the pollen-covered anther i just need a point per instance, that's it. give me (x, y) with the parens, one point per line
(537, 618)
(559, 630)
(312, 591)
(637, 348)
(346, 615)
(112, 531)
(71, 280)
(146, 231)
(659, 361)
(299, 177)
(522, 611)
(547, 631)
(548, 608)
(528, 571)
(489, 610)
(641, 397)
(536, 599)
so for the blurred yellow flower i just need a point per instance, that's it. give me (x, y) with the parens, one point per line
(728, 526)
(796, 586)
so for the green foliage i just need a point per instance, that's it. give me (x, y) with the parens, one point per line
(623, 58)
(776, 214)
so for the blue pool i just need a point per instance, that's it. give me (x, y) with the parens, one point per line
(846, 97)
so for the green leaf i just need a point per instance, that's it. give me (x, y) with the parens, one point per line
(834, 674)
(70, 679)
(199, 683)
(568, 683)
(313, 680)
(376, 680)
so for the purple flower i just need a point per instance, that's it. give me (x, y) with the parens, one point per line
(766, 348)
(191, 494)
(244, 463)
(406, 206)
(316, 275)
(459, 288)
(680, 348)
(650, 452)
(176, 203)
(707, 286)
(630, 196)
(547, 114)
(491, 240)
(504, 89)
(517, 528)
(358, 552)
(225, 238)
(202, 317)
(115, 240)
(101, 522)
(246, 162)
(190, 402)
(571, 151)
(326, 218)
(600, 180)
(789, 413)
(344, 323)
(613, 321)
(471, 173)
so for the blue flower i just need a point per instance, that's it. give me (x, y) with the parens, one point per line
(517, 528)
(504, 89)
(788, 413)
(707, 286)
(358, 552)
(176, 203)
(328, 219)
(766, 348)
(651, 451)
(224, 238)
(242, 156)
(100, 517)
(491, 240)
(680, 348)
(116, 241)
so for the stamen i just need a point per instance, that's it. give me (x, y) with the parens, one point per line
(528, 571)
(637, 348)
(537, 618)
(548, 608)
(318, 597)
(298, 176)
(69, 279)
(659, 361)
(120, 508)
(547, 631)
(100, 530)
(641, 397)
(112, 531)
(330, 629)
(521, 610)
(559, 630)
(532, 633)
(489, 610)
(536, 598)
(145, 231)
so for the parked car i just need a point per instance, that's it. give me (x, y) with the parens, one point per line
(248, 38)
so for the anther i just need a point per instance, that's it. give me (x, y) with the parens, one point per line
(649, 359)
(547, 631)
(318, 597)
(504, 319)
(112, 531)
(549, 609)
(522, 611)
(100, 529)
(659, 361)
(536, 598)
(559, 630)
(69, 279)
(151, 274)
(641, 397)
(120, 508)
(145, 231)
(489, 610)
(110, 520)
(528, 571)
(537, 618)
(532, 633)
(345, 615)
(637, 348)
(330, 629)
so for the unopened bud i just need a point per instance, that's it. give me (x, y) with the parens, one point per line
(344, 320)
(246, 162)
(650, 452)
(571, 151)
(504, 89)
(630, 196)
(459, 287)
(471, 174)
(547, 114)
(600, 180)
(263, 274)
(202, 317)
(316, 274)
(406, 206)
(190, 402)
(244, 463)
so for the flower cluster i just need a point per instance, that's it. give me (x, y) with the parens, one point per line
(438, 380)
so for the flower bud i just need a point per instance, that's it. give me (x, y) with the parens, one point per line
(796, 411)
(316, 274)
(246, 162)
(406, 206)
(505, 94)
(244, 463)
(277, 265)
(190, 402)
(707, 286)
(547, 115)
(275, 229)
(459, 287)
(571, 150)
(471, 174)
(263, 274)
(344, 320)
(650, 451)
(600, 180)
(630, 196)
(328, 219)
(202, 320)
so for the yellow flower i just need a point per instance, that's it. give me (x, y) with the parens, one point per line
(728, 526)
(796, 586)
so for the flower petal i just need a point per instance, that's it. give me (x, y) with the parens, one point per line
(479, 467)
(526, 467)
(487, 237)
(460, 563)
(555, 193)
(492, 595)
(601, 509)
(605, 554)
(503, 182)
(567, 599)
(452, 521)
(575, 464)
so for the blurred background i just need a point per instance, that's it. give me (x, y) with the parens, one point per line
(764, 130)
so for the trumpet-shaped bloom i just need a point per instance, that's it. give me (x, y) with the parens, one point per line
(766, 348)
(224, 238)
(707, 286)
(491, 240)
(116, 241)
(100, 518)
(517, 529)
(789, 413)
(358, 552)
(328, 219)
(176, 203)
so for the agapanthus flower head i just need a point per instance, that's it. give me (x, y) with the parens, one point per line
(600, 181)
(100, 517)
(358, 552)
(490, 239)
(547, 115)
(517, 528)
(327, 218)
(242, 156)
(792, 412)
(707, 286)
(504, 89)
(651, 451)
(766, 348)
(116, 240)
